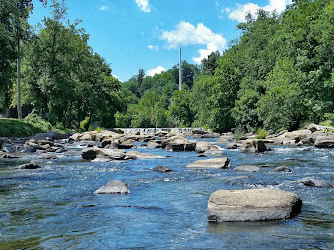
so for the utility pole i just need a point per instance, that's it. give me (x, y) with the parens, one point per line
(180, 72)
(19, 110)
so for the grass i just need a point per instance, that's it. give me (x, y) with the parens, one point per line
(16, 128)
(29, 126)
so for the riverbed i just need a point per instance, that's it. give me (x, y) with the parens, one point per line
(55, 207)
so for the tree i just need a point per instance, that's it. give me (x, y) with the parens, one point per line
(209, 65)
(13, 29)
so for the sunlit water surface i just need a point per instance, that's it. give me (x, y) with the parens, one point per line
(54, 207)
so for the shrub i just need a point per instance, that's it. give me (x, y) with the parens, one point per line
(261, 134)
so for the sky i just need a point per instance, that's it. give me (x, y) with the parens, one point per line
(147, 34)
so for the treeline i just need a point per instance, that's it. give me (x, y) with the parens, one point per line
(277, 75)
(63, 79)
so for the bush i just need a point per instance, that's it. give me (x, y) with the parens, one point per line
(17, 128)
(261, 134)
(38, 122)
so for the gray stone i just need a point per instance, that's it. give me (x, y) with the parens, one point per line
(29, 166)
(324, 141)
(178, 143)
(113, 187)
(282, 169)
(163, 169)
(9, 156)
(253, 146)
(312, 182)
(153, 144)
(223, 162)
(246, 168)
(252, 205)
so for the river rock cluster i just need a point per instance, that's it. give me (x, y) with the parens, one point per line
(223, 205)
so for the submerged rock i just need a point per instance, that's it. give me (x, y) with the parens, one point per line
(282, 169)
(29, 166)
(223, 162)
(312, 182)
(113, 187)
(163, 169)
(247, 168)
(9, 156)
(252, 205)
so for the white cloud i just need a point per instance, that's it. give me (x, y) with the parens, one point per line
(104, 8)
(144, 5)
(153, 47)
(155, 71)
(241, 11)
(117, 78)
(187, 34)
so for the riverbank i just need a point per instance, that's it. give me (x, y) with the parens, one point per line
(57, 206)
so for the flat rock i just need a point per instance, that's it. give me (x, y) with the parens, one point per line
(223, 162)
(9, 156)
(324, 142)
(115, 154)
(252, 205)
(113, 187)
(312, 182)
(247, 168)
(282, 169)
(29, 166)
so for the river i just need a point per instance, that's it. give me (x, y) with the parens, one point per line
(54, 207)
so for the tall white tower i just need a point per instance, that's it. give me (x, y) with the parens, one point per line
(180, 72)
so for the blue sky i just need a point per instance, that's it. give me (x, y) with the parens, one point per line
(135, 34)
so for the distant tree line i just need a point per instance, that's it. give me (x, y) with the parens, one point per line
(277, 75)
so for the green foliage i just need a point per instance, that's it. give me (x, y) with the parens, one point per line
(84, 124)
(29, 126)
(261, 134)
(281, 106)
(38, 122)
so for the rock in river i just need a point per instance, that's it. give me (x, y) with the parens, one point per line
(29, 166)
(253, 146)
(252, 205)
(247, 168)
(163, 169)
(223, 162)
(113, 187)
(312, 182)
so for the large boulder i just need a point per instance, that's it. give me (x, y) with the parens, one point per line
(113, 187)
(252, 205)
(203, 146)
(112, 154)
(98, 154)
(223, 162)
(324, 141)
(178, 143)
(253, 146)
(304, 136)
(312, 182)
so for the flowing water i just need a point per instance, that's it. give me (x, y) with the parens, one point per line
(54, 207)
